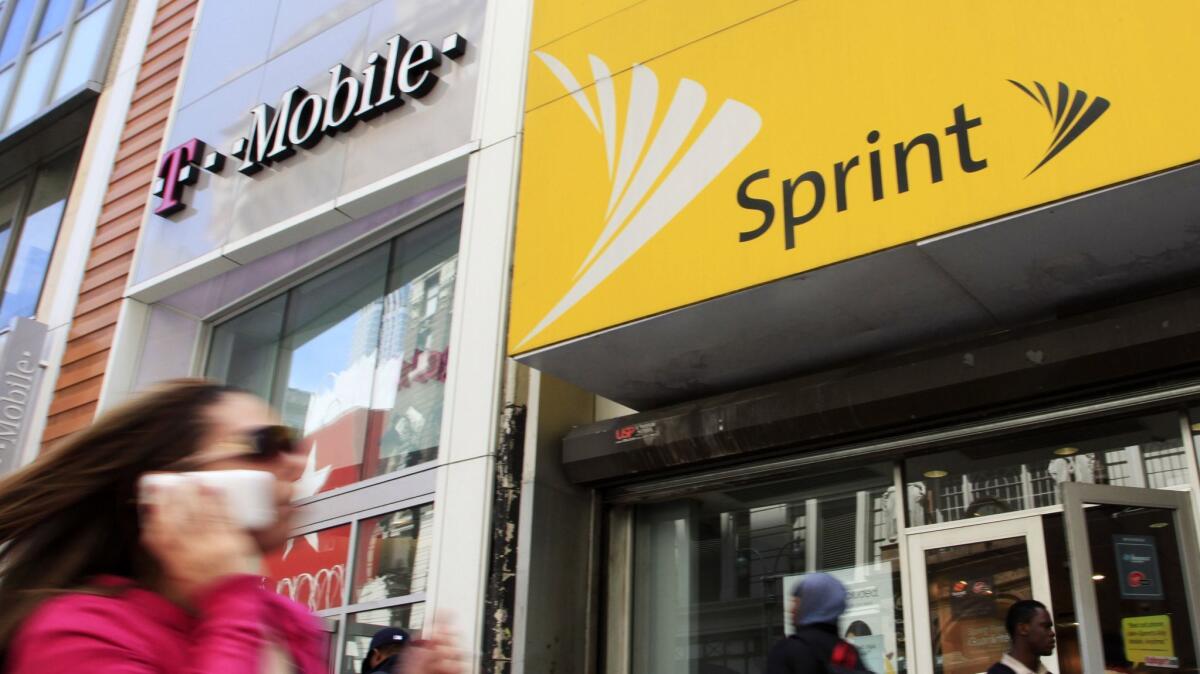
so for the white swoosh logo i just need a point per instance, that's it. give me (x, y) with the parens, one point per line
(635, 214)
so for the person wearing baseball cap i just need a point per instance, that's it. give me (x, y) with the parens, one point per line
(386, 647)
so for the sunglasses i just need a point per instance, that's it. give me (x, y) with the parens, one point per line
(263, 443)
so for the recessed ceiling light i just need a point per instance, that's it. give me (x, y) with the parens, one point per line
(935, 473)
(1098, 577)
(1159, 525)
(1066, 451)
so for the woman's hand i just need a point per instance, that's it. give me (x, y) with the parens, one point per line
(435, 654)
(187, 528)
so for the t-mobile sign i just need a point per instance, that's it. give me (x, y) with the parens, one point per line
(301, 119)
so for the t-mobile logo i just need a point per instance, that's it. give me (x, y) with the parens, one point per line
(180, 166)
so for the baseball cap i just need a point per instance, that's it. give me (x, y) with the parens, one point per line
(388, 636)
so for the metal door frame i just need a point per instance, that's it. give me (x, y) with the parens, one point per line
(1075, 496)
(1029, 528)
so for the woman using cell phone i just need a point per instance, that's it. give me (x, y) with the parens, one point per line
(94, 578)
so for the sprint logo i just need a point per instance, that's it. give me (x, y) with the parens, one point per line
(1068, 124)
(652, 177)
(804, 195)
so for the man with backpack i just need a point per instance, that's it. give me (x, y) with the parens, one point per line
(815, 648)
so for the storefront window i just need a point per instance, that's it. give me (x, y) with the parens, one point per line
(362, 626)
(1025, 471)
(311, 569)
(392, 559)
(356, 357)
(390, 563)
(714, 572)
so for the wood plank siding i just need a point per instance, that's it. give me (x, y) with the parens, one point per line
(90, 340)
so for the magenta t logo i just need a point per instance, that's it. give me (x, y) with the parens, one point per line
(180, 166)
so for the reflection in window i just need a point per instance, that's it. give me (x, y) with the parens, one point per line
(80, 59)
(18, 25)
(27, 271)
(31, 210)
(64, 53)
(1026, 471)
(414, 343)
(392, 559)
(36, 75)
(356, 357)
(52, 18)
(713, 573)
(311, 569)
(362, 626)
(245, 349)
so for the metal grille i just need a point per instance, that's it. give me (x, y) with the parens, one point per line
(1116, 464)
(1166, 464)
(950, 502)
(1003, 485)
(1045, 487)
(837, 534)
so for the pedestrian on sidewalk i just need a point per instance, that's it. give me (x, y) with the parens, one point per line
(95, 578)
(818, 601)
(1031, 634)
(384, 652)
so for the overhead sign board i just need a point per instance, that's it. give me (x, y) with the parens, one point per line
(300, 120)
(673, 156)
(292, 118)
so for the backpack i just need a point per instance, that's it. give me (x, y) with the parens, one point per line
(843, 659)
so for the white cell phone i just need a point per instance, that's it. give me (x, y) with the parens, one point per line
(249, 494)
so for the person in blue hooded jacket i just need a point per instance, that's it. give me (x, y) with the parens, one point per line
(818, 601)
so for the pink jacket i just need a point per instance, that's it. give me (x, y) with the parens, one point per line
(140, 632)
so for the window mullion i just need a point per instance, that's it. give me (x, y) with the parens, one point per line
(278, 380)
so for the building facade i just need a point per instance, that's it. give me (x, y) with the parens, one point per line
(902, 293)
(63, 86)
(310, 201)
(605, 322)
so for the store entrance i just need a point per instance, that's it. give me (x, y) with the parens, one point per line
(1124, 558)
(970, 571)
(1134, 577)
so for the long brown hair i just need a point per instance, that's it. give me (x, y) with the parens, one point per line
(72, 514)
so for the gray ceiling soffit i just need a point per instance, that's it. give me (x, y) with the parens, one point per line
(1146, 343)
(1096, 250)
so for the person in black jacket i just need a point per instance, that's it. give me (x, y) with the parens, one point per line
(386, 647)
(1031, 630)
(815, 648)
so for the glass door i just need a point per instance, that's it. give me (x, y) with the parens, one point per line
(972, 574)
(1134, 572)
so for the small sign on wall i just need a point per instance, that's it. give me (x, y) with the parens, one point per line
(1148, 641)
(20, 374)
(1137, 565)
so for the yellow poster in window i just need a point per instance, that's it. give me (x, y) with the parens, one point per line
(1148, 641)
